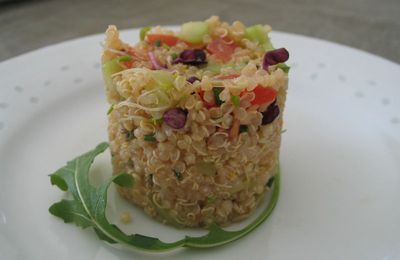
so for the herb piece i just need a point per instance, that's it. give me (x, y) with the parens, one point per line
(216, 91)
(243, 128)
(124, 58)
(157, 121)
(235, 101)
(157, 43)
(211, 200)
(283, 131)
(143, 32)
(149, 138)
(178, 175)
(174, 56)
(283, 67)
(130, 135)
(88, 206)
(110, 109)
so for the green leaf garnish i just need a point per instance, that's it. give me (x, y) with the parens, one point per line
(143, 32)
(149, 138)
(216, 91)
(87, 208)
(283, 67)
(235, 101)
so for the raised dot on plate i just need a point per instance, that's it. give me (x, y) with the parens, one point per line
(77, 80)
(342, 78)
(18, 88)
(313, 76)
(371, 82)
(65, 67)
(395, 120)
(47, 83)
(3, 105)
(1, 125)
(359, 94)
(34, 100)
(385, 101)
(321, 65)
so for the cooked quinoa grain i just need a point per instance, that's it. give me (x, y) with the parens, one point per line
(196, 119)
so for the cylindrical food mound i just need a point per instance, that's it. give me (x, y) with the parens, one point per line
(196, 119)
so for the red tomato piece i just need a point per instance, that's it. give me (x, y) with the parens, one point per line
(221, 49)
(206, 104)
(167, 39)
(129, 64)
(264, 95)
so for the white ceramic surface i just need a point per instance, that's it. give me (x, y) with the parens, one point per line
(340, 157)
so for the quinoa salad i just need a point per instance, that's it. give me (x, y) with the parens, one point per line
(196, 118)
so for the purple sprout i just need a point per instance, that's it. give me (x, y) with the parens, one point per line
(192, 79)
(191, 57)
(274, 57)
(175, 118)
(270, 113)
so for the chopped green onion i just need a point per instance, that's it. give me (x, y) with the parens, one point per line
(110, 109)
(124, 58)
(130, 135)
(143, 32)
(150, 138)
(243, 128)
(178, 175)
(283, 67)
(270, 182)
(211, 200)
(174, 56)
(235, 101)
(217, 91)
(157, 43)
(283, 131)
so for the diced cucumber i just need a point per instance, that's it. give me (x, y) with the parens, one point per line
(143, 32)
(163, 79)
(193, 32)
(109, 68)
(215, 68)
(257, 33)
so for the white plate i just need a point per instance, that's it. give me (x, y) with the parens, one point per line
(340, 157)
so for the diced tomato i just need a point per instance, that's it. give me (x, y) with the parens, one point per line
(206, 104)
(221, 49)
(129, 64)
(264, 95)
(232, 76)
(167, 39)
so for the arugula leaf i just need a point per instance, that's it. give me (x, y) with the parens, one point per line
(88, 206)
